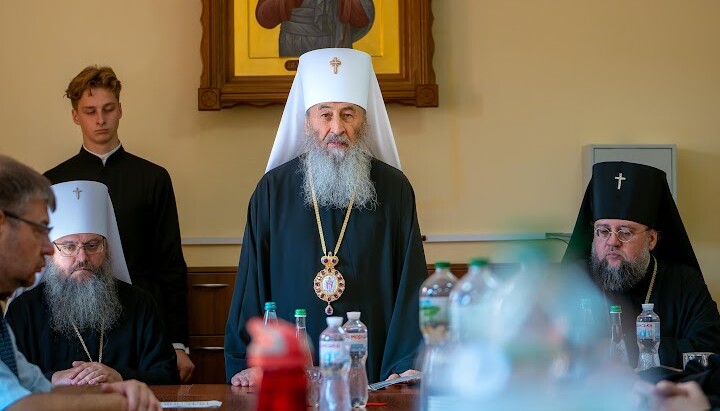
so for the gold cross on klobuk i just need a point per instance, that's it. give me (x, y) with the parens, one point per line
(335, 63)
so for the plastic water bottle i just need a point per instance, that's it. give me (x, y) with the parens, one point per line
(468, 307)
(588, 320)
(270, 317)
(618, 350)
(301, 333)
(334, 365)
(357, 377)
(648, 338)
(434, 296)
(434, 325)
(582, 344)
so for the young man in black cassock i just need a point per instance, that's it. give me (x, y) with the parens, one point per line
(631, 239)
(143, 197)
(332, 225)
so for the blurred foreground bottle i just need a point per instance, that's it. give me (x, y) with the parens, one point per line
(618, 350)
(588, 320)
(334, 365)
(583, 342)
(276, 350)
(468, 302)
(357, 377)
(434, 296)
(301, 333)
(270, 313)
(434, 325)
(648, 338)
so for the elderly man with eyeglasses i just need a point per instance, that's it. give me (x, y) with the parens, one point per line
(85, 324)
(630, 237)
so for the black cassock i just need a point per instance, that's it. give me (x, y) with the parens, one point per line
(135, 347)
(381, 258)
(144, 203)
(689, 319)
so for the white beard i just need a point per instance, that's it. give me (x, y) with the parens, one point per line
(337, 173)
(92, 304)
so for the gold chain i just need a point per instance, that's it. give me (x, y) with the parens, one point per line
(319, 223)
(102, 329)
(652, 280)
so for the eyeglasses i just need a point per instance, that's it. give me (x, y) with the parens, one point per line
(40, 227)
(72, 249)
(623, 235)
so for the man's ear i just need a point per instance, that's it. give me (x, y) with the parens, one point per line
(75, 116)
(653, 238)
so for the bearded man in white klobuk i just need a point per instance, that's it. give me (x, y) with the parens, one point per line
(85, 324)
(332, 225)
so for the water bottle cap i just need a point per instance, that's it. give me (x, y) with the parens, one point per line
(300, 312)
(442, 264)
(353, 315)
(270, 306)
(648, 307)
(479, 262)
(615, 309)
(334, 321)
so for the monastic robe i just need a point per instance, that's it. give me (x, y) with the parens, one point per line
(381, 258)
(689, 319)
(136, 347)
(144, 203)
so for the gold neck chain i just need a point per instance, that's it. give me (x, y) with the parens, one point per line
(652, 280)
(102, 329)
(319, 223)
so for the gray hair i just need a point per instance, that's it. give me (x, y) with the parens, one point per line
(20, 184)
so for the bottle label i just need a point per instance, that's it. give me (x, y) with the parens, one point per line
(333, 352)
(648, 331)
(358, 342)
(433, 310)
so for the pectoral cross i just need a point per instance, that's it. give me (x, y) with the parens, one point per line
(620, 179)
(77, 192)
(335, 63)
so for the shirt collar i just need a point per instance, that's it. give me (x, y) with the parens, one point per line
(104, 157)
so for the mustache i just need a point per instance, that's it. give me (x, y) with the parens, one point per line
(84, 265)
(337, 138)
(617, 251)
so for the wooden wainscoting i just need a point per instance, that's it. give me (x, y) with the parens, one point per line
(209, 295)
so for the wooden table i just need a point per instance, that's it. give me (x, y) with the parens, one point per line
(399, 397)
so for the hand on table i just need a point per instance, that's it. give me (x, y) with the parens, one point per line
(86, 373)
(684, 396)
(138, 395)
(404, 374)
(248, 377)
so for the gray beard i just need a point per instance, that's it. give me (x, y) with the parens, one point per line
(93, 304)
(622, 278)
(336, 174)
